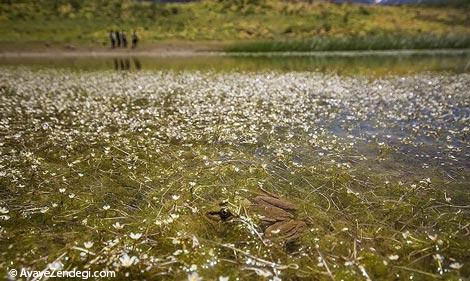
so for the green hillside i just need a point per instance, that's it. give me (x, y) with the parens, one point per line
(247, 23)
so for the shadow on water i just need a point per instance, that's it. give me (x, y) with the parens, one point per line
(375, 65)
(127, 64)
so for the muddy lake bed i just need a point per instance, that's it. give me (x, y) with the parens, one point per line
(112, 163)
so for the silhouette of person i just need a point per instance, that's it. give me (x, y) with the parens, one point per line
(112, 37)
(118, 38)
(124, 39)
(135, 40)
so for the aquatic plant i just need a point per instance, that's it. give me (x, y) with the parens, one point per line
(116, 171)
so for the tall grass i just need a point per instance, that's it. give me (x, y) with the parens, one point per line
(369, 42)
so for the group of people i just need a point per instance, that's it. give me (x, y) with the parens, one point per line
(119, 39)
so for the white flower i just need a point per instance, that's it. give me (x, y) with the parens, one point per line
(57, 265)
(393, 257)
(194, 276)
(438, 257)
(456, 265)
(223, 278)
(4, 210)
(61, 190)
(135, 236)
(117, 225)
(175, 197)
(127, 261)
(195, 241)
(106, 207)
(88, 244)
(71, 195)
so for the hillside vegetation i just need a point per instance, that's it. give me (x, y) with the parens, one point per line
(244, 22)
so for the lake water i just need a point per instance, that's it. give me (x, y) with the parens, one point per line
(350, 63)
(114, 162)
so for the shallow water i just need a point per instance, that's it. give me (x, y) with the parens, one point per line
(350, 63)
(115, 170)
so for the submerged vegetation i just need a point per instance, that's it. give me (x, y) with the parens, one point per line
(310, 26)
(116, 171)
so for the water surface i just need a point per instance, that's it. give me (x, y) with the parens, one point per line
(350, 63)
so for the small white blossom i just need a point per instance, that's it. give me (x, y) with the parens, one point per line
(57, 265)
(456, 265)
(194, 276)
(135, 236)
(127, 261)
(118, 226)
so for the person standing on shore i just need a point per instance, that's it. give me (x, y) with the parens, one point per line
(124, 39)
(118, 38)
(112, 37)
(135, 40)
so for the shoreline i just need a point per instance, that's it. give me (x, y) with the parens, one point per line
(215, 53)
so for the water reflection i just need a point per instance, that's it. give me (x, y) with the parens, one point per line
(375, 65)
(124, 63)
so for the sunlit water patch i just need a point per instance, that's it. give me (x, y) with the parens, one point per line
(116, 170)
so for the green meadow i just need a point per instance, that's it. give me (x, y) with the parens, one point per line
(269, 25)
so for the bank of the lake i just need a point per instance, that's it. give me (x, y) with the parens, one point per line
(234, 25)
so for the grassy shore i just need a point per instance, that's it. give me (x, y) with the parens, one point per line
(254, 25)
(369, 42)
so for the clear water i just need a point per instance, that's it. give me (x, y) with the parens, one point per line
(112, 163)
